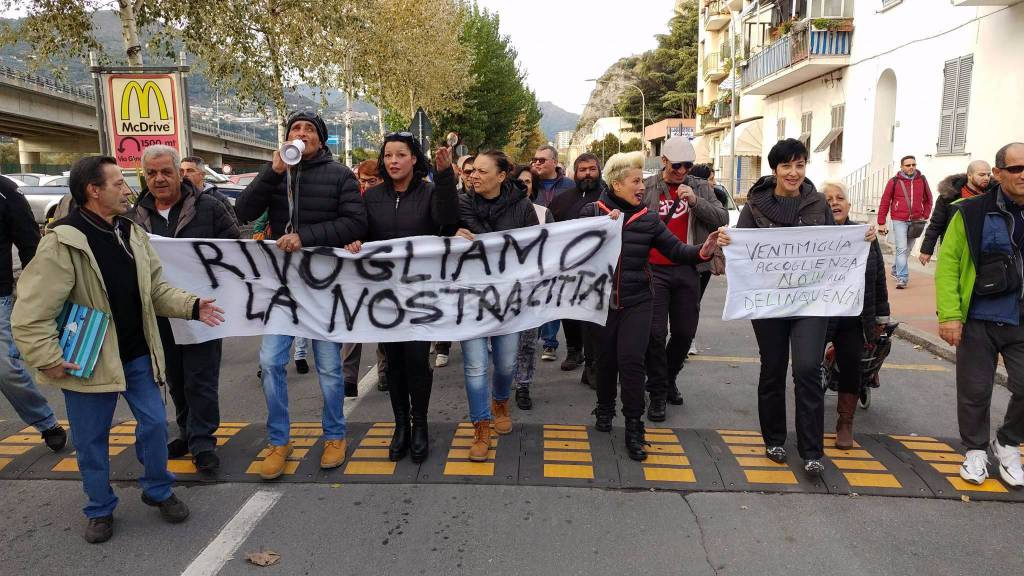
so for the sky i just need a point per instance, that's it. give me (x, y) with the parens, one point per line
(562, 43)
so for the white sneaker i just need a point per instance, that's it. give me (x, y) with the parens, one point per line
(975, 467)
(441, 360)
(1009, 463)
(693, 350)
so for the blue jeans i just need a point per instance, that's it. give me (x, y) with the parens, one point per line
(475, 364)
(91, 414)
(15, 382)
(900, 269)
(549, 334)
(301, 348)
(274, 357)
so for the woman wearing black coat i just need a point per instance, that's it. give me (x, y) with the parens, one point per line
(850, 333)
(787, 198)
(622, 342)
(406, 204)
(498, 202)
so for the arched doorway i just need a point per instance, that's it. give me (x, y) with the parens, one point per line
(885, 120)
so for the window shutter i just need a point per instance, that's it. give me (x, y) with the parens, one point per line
(835, 150)
(950, 73)
(963, 100)
(781, 129)
(805, 129)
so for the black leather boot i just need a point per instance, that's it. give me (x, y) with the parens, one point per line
(604, 414)
(656, 410)
(420, 444)
(400, 439)
(674, 397)
(636, 443)
(590, 376)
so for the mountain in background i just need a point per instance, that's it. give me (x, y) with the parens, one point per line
(555, 120)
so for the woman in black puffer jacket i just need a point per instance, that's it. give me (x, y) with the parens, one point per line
(408, 205)
(499, 202)
(622, 343)
(788, 198)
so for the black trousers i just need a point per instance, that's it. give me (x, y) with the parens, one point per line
(848, 340)
(676, 302)
(573, 334)
(982, 343)
(620, 359)
(193, 378)
(705, 278)
(351, 356)
(409, 377)
(775, 338)
(442, 348)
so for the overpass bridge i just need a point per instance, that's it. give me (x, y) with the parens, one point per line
(45, 115)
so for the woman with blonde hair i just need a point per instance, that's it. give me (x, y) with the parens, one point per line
(622, 342)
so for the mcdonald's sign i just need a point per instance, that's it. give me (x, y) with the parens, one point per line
(142, 109)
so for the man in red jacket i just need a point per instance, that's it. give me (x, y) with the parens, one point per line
(909, 198)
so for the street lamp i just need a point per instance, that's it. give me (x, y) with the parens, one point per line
(643, 105)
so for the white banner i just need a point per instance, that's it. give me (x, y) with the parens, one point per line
(424, 288)
(800, 271)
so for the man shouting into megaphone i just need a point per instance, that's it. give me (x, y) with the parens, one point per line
(312, 203)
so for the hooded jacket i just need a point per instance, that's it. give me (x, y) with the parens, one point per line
(200, 215)
(876, 293)
(562, 183)
(569, 204)
(950, 190)
(425, 209)
(641, 231)
(706, 216)
(328, 210)
(813, 211)
(895, 200)
(509, 210)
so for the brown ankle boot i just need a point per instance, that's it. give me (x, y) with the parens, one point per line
(502, 416)
(481, 441)
(846, 407)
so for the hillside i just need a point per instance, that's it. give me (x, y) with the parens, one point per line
(555, 120)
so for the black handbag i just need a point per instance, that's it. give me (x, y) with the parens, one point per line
(996, 274)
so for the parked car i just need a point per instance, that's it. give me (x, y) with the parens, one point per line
(43, 199)
(54, 181)
(243, 179)
(13, 179)
(27, 178)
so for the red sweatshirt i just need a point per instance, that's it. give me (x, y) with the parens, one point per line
(895, 200)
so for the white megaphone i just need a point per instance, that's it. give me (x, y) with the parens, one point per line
(291, 152)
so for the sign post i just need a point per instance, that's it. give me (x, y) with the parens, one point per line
(141, 107)
(422, 129)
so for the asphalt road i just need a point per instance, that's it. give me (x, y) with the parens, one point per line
(466, 528)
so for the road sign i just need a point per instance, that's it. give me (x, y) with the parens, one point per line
(143, 110)
(422, 129)
(333, 139)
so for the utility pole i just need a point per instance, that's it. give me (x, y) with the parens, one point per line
(733, 104)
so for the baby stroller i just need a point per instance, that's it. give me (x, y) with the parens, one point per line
(871, 362)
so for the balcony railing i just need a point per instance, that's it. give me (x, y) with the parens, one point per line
(716, 14)
(714, 66)
(794, 48)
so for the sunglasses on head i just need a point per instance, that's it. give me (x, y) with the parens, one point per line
(678, 165)
(399, 135)
(1016, 169)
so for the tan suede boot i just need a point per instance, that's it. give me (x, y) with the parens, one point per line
(334, 454)
(481, 441)
(846, 407)
(502, 416)
(273, 465)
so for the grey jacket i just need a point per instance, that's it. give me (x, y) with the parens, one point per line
(707, 215)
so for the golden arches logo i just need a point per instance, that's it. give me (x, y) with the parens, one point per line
(142, 93)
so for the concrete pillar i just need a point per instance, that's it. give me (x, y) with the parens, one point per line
(213, 159)
(28, 158)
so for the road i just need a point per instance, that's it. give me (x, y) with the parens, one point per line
(525, 518)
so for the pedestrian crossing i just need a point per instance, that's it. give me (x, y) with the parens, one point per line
(559, 454)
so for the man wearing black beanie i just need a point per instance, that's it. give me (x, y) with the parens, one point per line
(314, 203)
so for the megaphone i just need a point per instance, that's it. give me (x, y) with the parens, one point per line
(291, 152)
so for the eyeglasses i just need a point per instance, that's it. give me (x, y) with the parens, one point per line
(539, 160)
(678, 165)
(1015, 170)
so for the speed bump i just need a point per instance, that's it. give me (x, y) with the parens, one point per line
(740, 457)
(567, 455)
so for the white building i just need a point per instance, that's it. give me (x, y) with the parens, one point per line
(563, 139)
(864, 82)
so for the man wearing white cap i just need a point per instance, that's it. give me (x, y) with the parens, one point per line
(690, 209)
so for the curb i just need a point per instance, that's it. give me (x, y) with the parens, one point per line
(938, 347)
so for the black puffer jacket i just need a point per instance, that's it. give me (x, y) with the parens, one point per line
(876, 294)
(759, 211)
(328, 210)
(511, 209)
(197, 215)
(641, 231)
(569, 204)
(950, 190)
(17, 227)
(426, 209)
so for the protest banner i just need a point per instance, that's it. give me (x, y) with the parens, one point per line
(424, 288)
(800, 271)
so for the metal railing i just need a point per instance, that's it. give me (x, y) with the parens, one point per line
(210, 129)
(83, 94)
(793, 48)
(713, 64)
(865, 187)
(715, 8)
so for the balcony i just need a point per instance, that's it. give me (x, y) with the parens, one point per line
(716, 15)
(796, 58)
(984, 2)
(715, 68)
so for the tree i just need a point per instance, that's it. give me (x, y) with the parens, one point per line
(667, 75)
(498, 100)
(611, 144)
(524, 142)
